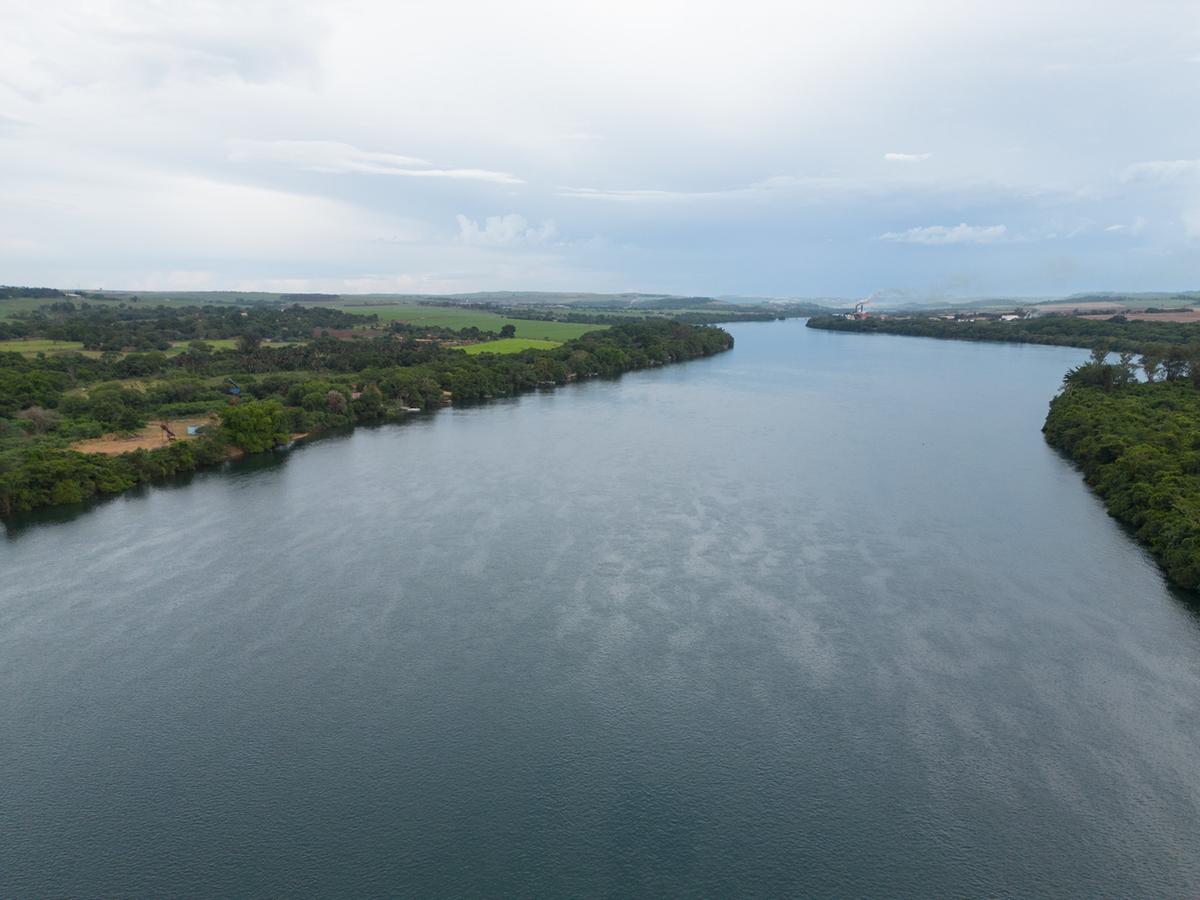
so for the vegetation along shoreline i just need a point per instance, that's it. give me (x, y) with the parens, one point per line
(285, 371)
(1132, 425)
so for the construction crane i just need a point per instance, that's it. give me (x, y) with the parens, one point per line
(168, 434)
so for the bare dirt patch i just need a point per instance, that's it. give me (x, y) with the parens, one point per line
(149, 438)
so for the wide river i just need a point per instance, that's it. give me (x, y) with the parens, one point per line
(819, 616)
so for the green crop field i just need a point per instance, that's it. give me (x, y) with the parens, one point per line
(178, 347)
(223, 343)
(511, 345)
(10, 306)
(31, 346)
(456, 317)
(216, 343)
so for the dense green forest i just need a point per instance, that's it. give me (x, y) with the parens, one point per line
(262, 394)
(1116, 333)
(144, 327)
(9, 291)
(1138, 444)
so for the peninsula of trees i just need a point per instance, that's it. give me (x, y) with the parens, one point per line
(283, 371)
(1138, 444)
(1115, 333)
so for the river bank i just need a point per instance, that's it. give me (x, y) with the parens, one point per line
(1132, 427)
(271, 407)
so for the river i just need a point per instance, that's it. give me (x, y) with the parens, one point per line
(822, 616)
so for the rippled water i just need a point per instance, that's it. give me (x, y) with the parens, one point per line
(822, 615)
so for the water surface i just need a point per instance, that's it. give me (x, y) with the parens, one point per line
(822, 615)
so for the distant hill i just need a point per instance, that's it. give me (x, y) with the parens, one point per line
(510, 299)
(889, 300)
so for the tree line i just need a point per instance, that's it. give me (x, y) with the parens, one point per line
(1115, 333)
(122, 327)
(1138, 445)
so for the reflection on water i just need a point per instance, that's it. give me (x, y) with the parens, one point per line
(821, 616)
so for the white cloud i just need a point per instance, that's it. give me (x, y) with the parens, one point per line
(1164, 170)
(943, 234)
(154, 215)
(136, 44)
(1190, 219)
(120, 124)
(511, 230)
(335, 157)
(763, 187)
(630, 196)
(20, 247)
(1137, 226)
(9, 125)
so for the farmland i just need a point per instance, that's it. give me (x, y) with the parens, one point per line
(223, 344)
(31, 346)
(10, 306)
(511, 345)
(464, 317)
(34, 346)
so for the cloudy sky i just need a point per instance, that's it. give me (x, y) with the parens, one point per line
(772, 148)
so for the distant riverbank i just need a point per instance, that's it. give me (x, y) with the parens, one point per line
(1114, 334)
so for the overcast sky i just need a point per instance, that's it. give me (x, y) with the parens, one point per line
(784, 149)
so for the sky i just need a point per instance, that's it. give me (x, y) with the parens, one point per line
(790, 149)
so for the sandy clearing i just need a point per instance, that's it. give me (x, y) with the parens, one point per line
(149, 438)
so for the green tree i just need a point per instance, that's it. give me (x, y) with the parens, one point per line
(255, 425)
(336, 402)
(1150, 361)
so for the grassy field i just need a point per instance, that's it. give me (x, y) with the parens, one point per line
(224, 344)
(12, 305)
(452, 317)
(31, 346)
(216, 343)
(34, 345)
(511, 345)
